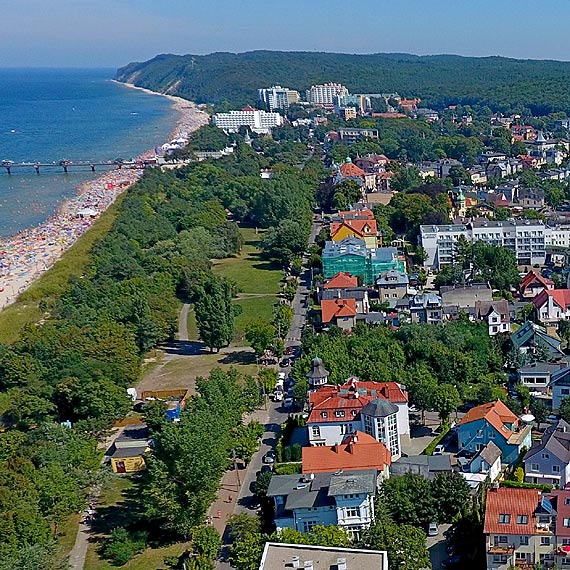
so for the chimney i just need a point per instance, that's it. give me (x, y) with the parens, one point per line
(349, 448)
(341, 563)
(308, 565)
(295, 561)
(354, 438)
(335, 448)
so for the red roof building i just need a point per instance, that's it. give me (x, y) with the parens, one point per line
(495, 413)
(350, 170)
(503, 508)
(343, 311)
(553, 305)
(357, 451)
(533, 283)
(342, 280)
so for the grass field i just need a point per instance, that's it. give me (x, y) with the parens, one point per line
(258, 281)
(114, 510)
(26, 310)
(251, 273)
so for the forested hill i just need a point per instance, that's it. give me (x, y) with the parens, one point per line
(502, 84)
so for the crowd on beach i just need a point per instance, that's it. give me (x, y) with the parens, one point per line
(26, 255)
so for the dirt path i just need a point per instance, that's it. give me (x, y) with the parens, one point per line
(183, 323)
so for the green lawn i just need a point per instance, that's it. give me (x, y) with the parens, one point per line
(252, 308)
(52, 283)
(254, 276)
(251, 273)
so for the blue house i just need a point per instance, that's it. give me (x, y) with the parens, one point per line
(493, 422)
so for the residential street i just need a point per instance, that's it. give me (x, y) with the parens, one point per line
(272, 417)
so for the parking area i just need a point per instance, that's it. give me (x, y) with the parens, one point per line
(437, 548)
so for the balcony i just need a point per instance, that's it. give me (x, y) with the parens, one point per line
(506, 549)
(523, 565)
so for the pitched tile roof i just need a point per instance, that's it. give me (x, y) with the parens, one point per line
(560, 296)
(512, 502)
(351, 397)
(361, 227)
(341, 280)
(333, 308)
(350, 170)
(495, 413)
(357, 451)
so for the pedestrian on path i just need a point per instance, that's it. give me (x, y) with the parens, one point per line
(219, 514)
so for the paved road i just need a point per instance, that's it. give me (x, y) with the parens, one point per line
(436, 546)
(275, 414)
(183, 323)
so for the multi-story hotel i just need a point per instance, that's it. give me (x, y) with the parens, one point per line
(278, 97)
(258, 121)
(323, 95)
(525, 237)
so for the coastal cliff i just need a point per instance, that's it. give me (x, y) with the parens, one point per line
(509, 85)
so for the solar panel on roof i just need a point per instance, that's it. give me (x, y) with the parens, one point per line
(546, 504)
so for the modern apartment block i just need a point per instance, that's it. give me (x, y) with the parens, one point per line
(323, 95)
(525, 237)
(258, 121)
(278, 97)
(526, 529)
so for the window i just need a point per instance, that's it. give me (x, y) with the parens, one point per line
(565, 391)
(479, 433)
(339, 413)
(545, 540)
(492, 435)
(353, 512)
(499, 558)
(324, 414)
(534, 466)
(522, 519)
(353, 412)
(565, 561)
(308, 526)
(504, 519)
(567, 522)
(520, 555)
(545, 456)
(524, 540)
(556, 469)
(316, 431)
(501, 539)
(566, 542)
(567, 501)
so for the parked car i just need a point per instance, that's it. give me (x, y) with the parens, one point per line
(266, 469)
(278, 396)
(288, 403)
(269, 457)
(285, 362)
(282, 376)
(433, 529)
(439, 449)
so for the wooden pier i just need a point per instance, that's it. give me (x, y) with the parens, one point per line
(69, 165)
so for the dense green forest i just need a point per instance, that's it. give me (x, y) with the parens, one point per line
(500, 83)
(76, 365)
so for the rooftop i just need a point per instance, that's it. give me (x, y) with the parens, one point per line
(496, 414)
(341, 280)
(277, 556)
(515, 507)
(357, 451)
(334, 308)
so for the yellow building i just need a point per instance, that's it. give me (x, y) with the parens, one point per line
(365, 230)
(129, 460)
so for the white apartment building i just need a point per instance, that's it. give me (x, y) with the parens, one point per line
(323, 95)
(558, 236)
(527, 238)
(278, 97)
(258, 121)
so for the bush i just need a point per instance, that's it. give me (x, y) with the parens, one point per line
(122, 545)
(519, 474)
(288, 469)
(431, 447)
(286, 454)
(521, 485)
(296, 452)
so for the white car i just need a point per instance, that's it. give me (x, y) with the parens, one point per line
(281, 375)
(439, 449)
(433, 529)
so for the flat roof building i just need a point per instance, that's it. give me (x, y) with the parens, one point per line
(277, 556)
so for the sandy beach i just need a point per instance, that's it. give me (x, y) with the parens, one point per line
(25, 256)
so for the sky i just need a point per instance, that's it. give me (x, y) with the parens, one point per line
(112, 33)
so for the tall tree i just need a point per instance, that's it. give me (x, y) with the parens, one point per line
(214, 313)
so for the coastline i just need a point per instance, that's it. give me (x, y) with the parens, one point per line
(26, 255)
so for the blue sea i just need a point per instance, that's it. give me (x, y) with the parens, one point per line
(47, 115)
